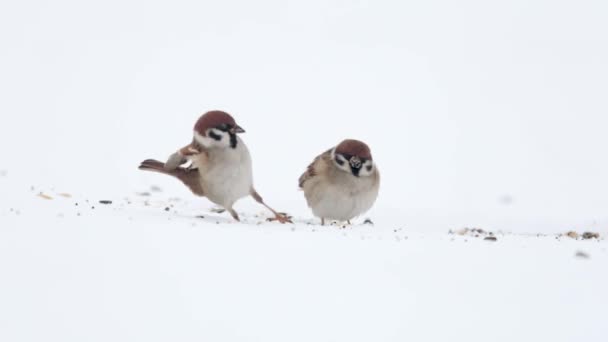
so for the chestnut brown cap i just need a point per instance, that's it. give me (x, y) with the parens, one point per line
(354, 148)
(212, 119)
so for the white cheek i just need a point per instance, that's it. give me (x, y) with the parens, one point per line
(364, 169)
(345, 166)
(210, 142)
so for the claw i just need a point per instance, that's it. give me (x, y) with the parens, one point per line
(281, 217)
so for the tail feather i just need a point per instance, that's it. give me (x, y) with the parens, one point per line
(152, 165)
(190, 177)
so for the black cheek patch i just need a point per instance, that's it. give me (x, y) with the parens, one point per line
(368, 168)
(215, 136)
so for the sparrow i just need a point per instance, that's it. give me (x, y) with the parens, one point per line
(219, 164)
(342, 182)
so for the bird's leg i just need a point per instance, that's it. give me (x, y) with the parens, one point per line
(322, 221)
(281, 217)
(234, 214)
(348, 221)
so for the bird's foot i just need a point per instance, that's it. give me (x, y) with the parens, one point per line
(281, 217)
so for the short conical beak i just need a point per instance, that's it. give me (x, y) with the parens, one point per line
(237, 129)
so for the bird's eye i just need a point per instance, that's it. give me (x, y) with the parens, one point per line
(224, 127)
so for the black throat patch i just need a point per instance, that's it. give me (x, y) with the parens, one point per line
(233, 140)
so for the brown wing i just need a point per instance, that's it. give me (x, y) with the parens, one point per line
(318, 165)
(180, 157)
(190, 177)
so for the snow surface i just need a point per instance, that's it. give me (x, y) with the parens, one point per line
(488, 115)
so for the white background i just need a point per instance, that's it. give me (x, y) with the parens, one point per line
(478, 113)
(463, 103)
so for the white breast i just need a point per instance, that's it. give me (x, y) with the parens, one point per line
(341, 196)
(225, 174)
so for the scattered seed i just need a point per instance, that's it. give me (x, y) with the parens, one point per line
(46, 197)
(167, 208)
(590, 235)
(490, 238)
(582, 255)
(105, 202)
(368, 221)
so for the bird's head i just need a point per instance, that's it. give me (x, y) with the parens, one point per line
(354, 157)
(217, 129)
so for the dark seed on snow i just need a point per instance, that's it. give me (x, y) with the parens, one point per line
(490, 238)
(167, 208)
(582, 255)
(590, 235)
(368, 221)
(105, 202)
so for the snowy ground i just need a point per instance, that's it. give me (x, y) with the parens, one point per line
(479, 115)
(146, 268)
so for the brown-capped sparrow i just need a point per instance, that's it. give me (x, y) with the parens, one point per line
(220, 166)
(342, 182)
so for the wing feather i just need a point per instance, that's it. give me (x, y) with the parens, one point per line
(317, 167)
